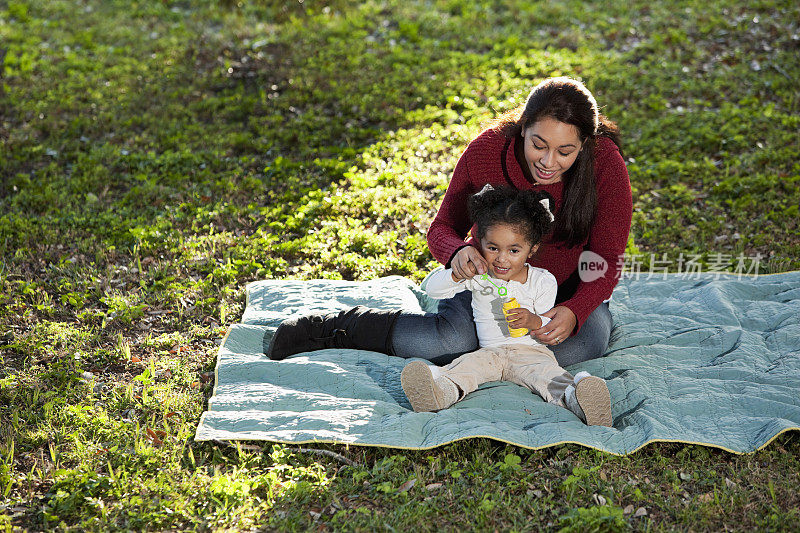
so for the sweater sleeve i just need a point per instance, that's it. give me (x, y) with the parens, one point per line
(545, 297)
(608, 237)
(451, 224)
(440, 284)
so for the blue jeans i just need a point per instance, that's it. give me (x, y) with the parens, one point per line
(442, 337)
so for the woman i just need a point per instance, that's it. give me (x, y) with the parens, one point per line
(559, 143)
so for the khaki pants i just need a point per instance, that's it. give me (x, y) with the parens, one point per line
(534, 367)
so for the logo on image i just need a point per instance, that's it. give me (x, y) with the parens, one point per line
(591, 266)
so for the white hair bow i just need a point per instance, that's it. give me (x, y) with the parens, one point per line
(546, 203)
(486, 188)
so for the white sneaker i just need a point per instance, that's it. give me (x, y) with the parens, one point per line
(425, 392)
(589, 399)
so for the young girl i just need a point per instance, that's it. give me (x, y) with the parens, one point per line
(510, 225)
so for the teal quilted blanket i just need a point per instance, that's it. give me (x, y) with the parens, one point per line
(707, 361)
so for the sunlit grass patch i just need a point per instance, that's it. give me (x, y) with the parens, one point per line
(157, 156)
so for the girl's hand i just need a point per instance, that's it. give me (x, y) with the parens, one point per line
(561, 325)
(519, 317)
(468, 263)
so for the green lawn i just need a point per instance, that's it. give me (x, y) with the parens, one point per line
(157, 155)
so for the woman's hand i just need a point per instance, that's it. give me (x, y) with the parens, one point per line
(468, 263)
(519, 317)
(561, 325)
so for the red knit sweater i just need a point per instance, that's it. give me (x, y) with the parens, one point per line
(482, 163)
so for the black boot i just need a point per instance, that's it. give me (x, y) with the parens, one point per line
(361, 328)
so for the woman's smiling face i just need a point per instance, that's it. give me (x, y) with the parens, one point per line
(551, 148)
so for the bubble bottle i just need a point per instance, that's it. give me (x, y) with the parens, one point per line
(508, 305)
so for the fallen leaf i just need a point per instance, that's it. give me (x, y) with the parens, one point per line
(730, 484)
(136, 359)
(433, 486)
(407, 485)
(705, 498)
(154, 437)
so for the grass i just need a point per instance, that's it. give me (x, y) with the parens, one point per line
(156, 156)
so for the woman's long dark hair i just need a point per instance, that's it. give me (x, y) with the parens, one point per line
(568, 101)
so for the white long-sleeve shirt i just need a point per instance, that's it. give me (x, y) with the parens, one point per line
(537, 295)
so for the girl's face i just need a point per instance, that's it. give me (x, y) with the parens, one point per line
(507, 251)
(551, 147)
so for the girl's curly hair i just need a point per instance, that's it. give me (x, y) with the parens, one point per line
(522, 209)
